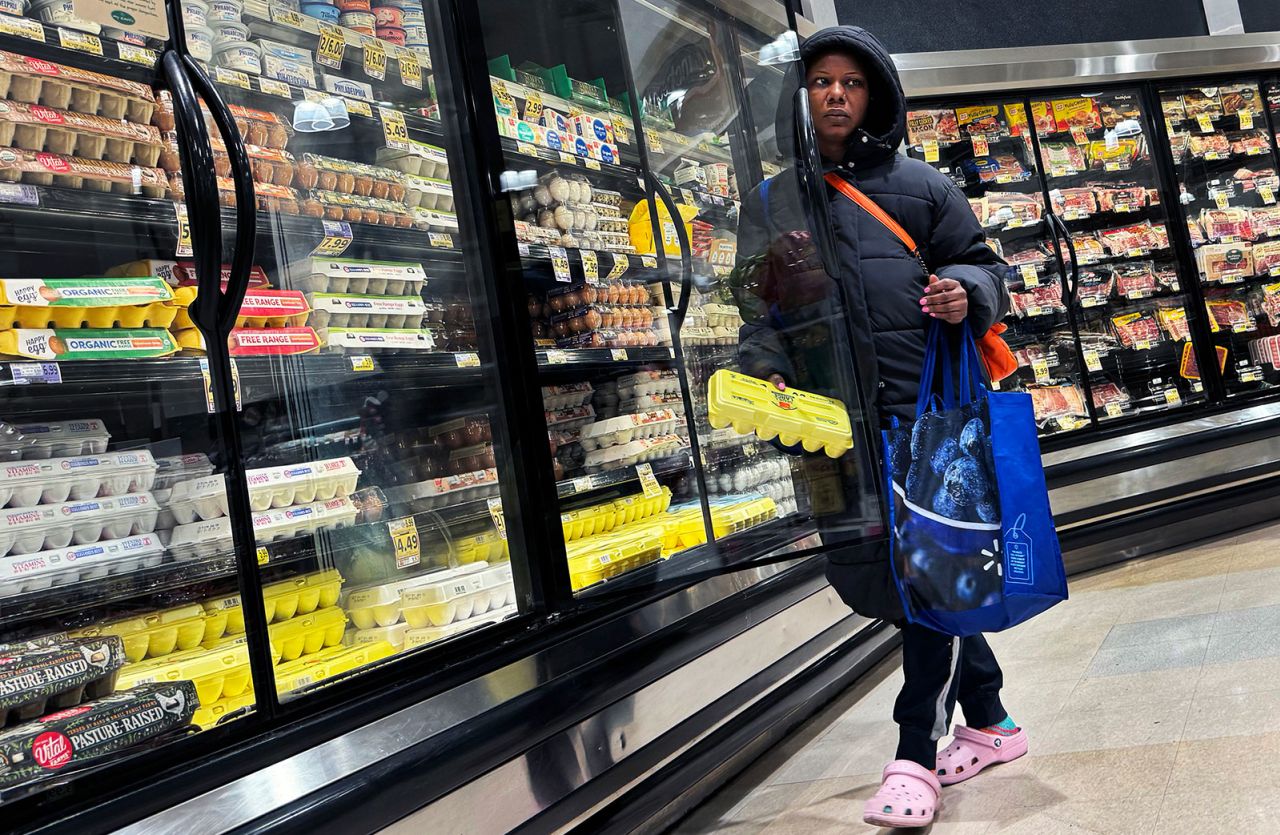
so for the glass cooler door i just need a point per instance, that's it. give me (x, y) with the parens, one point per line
(628, 159)
(112, 643)
(370, 421)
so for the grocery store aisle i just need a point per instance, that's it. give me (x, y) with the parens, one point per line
(1152, 700)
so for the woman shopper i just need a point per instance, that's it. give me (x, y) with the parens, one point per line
(859, 118)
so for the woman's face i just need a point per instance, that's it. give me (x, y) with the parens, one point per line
(838, 98)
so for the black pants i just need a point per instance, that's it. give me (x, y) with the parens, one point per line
(939, 671)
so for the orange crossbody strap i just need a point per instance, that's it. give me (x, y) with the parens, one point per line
(846, 188)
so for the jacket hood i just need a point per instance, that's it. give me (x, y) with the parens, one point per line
(885, 125)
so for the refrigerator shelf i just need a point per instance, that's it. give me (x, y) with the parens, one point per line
(575, 359)
(424, 244)
(550, 158)
(52, 211)
(582, 485)
(634, 267)
(31, 37)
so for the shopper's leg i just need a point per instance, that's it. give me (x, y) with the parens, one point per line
(930, 667)
(989, 735)
(980, 684)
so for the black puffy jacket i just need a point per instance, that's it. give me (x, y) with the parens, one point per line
(883, 282)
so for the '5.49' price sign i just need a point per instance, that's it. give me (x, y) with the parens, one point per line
(394, 129)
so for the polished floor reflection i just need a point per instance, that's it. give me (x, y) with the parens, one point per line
(1152, 699)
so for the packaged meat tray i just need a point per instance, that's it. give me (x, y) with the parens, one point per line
(86, 303)
(1136, 279)
(80, 344)
(55, 480)
(1074, 203)
(1001, 168)
(1265, 221)
(64, 438)
(1012, 209)
(637, 452)
(446, 491)
(1229, 315)
(346, 275)
(339, 310)
(308, 634)
(78, 563)
(288, 522)
(1043, 300)
(197, 499)
(377, 339)
(459, 597)
(33, 81)
(1219, 224)
(80, 734)
(41, 168)
(1202, 101)
(624, 429)
(935, 125)
(1225, 263)
(566, 396)
(1062, 159)
(1120, 198)
(154, 634)
(1137, 329)
(1095, 286)
(1173, 319)
(216, 674)
(1110, 399)
(1050, 402)
(34, 127)
(37, 679)
(301, 483)
(53, 526)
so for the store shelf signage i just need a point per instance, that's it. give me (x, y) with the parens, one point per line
(590, 264)
(410, 69)
(23, 373)
(332, 46)
(405, 542)
(394, 130)
(145, 17)
(375, 59)
(19, 194)
(337, 237)
(79, 41)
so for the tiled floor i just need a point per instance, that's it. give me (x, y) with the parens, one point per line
(1152, 699)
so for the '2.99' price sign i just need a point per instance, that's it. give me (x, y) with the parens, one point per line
(394, 129)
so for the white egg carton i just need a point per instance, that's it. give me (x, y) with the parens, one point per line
(348, 275)
(636, 452)
(64, 438)
(626, 428)
(199, 540)
(648, 383)
(56, 480)
(61, 566)
(428, 193)
(339, 310)
(447, 490)
(459, 596)
(379, 606)
(301, 484)
(566, 396)
(431, 634)
(174, 468)
(722, 316)
(567, 420)
(645, 402)
(420, 160)
(47, 527)
(288, 522)
(197, 499)
(393, 635)
(377, 339)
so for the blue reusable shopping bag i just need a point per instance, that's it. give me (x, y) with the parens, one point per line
(973, 546)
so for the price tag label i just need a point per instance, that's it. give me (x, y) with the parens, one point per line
(337, 237)
(980, 145)
(410, 69)
(557, 357)
(1034, 310)
(1111, 166)
(1250, 376)
(1114, 410)
(1092, 361)
(1246, 119)
(1205, 123)
(581, 484)
(79, 41)
(590, 264)
(332, 46)
(560, 263)
(286, 17)
(523, 248)
(568, 158)
(593, 164)
(275, 88)
(621, 133)
(931, 150)
(441, 240)
(1242, 327)
(1079, 136)
(359, 106)
(136, 54)
(25, 373)
(404, 539)
(183, 249)
(619, 354)
(495, 513)
(527, 148)
(532, 107)
(232, 78)
(649, 261)
(654, 141)
(394, 130)
(207, 378)
(264, 556)
(375, 58)
(1267, 194)
(1040, 367)
(1172, 397)
(1220, 199)
(1142, 345)
(361, 362)
(621, 263)
(648, 481)
(1004, 178)
(467, 359)
(1030, 278)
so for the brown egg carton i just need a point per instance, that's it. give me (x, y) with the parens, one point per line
(34, 127)
(354, 208)
(347, 177)
(44, 169)
(33, 81)
(40, 677)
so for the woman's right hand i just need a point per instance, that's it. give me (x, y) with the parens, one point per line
(777, 380)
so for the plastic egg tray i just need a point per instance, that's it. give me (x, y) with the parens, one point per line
(210, 714)
(56, 480)
(377, 339)
(254, 341)
(604, 517)
(636, 452)
(216, 674)
(566, 396)
(346, 275)
(34, 81)
(328, 663)
(240, 640)
(428, 193)
(86, 303)
(597, 558)
(285, 523)
(335, 205)
(80, 344)
(393, 635)
(430, 634)
(174, 468)
(62, 566)
(446, 491)
(197, 499)
(420, 159)
(53, 526)
(435, 220)
(459, 597)
(260, 309)
(305, 483)
(34, 127)
(39, 678)
(646, 402)
(626, 428)
(648, 383)
(338, 310)
(487, 546)
(161, 633)
(198, 540)
(722, 316)
(307, 634)
(792, 416)
(284, 599)
(41, 168)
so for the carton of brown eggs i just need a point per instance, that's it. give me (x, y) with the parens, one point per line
(45, 169)
(35, 127)
(33, 81)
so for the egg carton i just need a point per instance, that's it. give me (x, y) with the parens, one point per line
(794, 416)
(645, 402)
(446, 491)
(380, 605)
(210, 714)
(722, 316)
(347, 275)
(216, 674)
(286, 523)
(41, 168)
(81, 563)
(64, 438)
(431, 634)
(428, 193)
(326, 663)
(301, 484)
(171, 469)
(377, 339)
(198, 540)
(36, 128)
(435, 220)
(393, 635)
(38, 679)
(339, 310)
(567, 396)
(648, 383)
(459, 597)
(604, 517)
(56, 480)
(568, 420)
(261, 309)
(197, 499)
(635, 452)
(626, 428)
(156, 634)
(420, 159)
(300, 595)
(308, 634)
(33, 81)
(52, 526)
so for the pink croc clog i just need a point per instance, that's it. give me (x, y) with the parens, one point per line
(973, 751)
(908, 797)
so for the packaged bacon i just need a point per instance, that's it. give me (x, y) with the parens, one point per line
(1157, 236)
(1266, 258)
(1167, 276)
(1038, 301)
(1250, 179)
(1265, 221)
(1110, 399)
(1209, 146)
(1173, 108)
(1229, 315)
(1061, 159)
(1225, 263)
(1136, 279)
(1202, 101)
(1095, 286)
(1030, 354)
(1250, 143)
(1137, 329)
(1088, 247)
(1189, 366)
(1226, 224)
(1178, 144)
(936, 125)
(1195, 233)
(40, 168)
(1002, 168)
(1120, 197)
(1050, 402)
(1173, 319)
(979, 207)
(1031, 255)
(1266, 351)
(1012, 208)
(1117, 155)
(1126, 240)
(1074, 203)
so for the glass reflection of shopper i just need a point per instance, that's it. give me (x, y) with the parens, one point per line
(859, 118)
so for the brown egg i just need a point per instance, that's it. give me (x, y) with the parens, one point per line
(307, 175)
(258, 134)
(328, 180)
(577, 324)
(597, 341)
(346, 182)
(353, 213)
(589, 294)
(534, 306)
(453, 439)
(557, 470)
(242, 126)
(227, 198)
(558, 303)
(572, 299)
(395, 192)
(404, 221)
(615, 293)
(333, 212)
(287, 205)
(639, 295)
(381, 189)
(593, 319)
(372, 216)
(312, 208)
(539, 329)
(163, 119)
(169, 160)
(277, 137)
(222, 166)
(473, 431)
(363, 185)
(547, 311)
(284, 174)
(560, 329)
(487, 460)
(607, 319)
(388, 218)
(551, 442)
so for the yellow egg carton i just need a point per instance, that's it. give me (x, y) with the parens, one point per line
(487, 546)
(89, 302)
(211, 713)
(308, 634)
(232, 641)
(328, 663)
(600, 557)
(604, 517)
(76, 344)
(792, 416)
(217, 674)
(282, 600)
(261, 309)
(158, 634)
